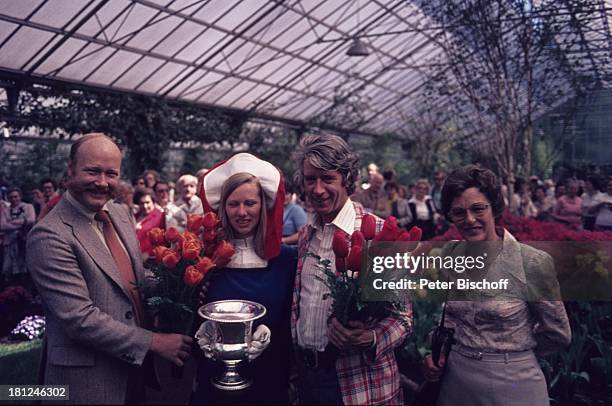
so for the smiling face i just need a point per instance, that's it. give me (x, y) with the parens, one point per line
(94, 173)
(146, 204)
(243, 209)
(477, 224)
(325, 191)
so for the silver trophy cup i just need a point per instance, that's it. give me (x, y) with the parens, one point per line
(228, 330)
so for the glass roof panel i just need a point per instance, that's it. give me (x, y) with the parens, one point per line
(113, 67)
(22, 46)
(20, 9)
(48, 14)
(6, 29)
(179, 38)
(93, 56)
(287, 57)
(216, 9)
(138, 72)
(61, 56)
(244, 12)
(150, 33)
(162, 76)
(206, 44)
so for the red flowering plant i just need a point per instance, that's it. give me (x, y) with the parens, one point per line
(181, 263)
(345, 284)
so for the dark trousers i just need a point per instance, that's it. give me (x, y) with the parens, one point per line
(317, 386)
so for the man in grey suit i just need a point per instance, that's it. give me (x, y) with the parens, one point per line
(85, 259)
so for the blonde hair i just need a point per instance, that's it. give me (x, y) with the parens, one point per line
(231, 184)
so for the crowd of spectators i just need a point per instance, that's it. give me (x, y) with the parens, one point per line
(581, 204)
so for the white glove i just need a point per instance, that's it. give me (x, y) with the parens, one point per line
(259, 342)
(206, 337)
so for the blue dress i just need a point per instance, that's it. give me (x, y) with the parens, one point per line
(271, 286)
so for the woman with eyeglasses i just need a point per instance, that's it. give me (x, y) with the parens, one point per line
(492, 361)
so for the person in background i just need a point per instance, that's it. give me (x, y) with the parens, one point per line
(436, 191)
(559, 191)
(139, 183)
(150, 177)
(51, 194)
(374, 199)
(294, 217)
(568, 209)
(162, 194)
(590, 197)
(188, 203)
(400, 208)
(49, 189)
(15, 223)
(422, 211)
(38, 200)
(125, 196)
(521, 204)
(603, 209)
(147, 218)
(543, 204)
(403, 192)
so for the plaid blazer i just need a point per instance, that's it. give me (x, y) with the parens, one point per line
(364, 377)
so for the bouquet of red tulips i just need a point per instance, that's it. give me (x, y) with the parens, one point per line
(344, 283)
(181, 262)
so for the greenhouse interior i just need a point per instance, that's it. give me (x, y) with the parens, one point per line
(227, 241)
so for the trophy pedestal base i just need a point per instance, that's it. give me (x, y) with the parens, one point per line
(230, 379)
(231, 386)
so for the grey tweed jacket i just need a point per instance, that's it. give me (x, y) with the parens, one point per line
(93, 341)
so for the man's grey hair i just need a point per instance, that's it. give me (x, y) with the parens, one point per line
(328, 153)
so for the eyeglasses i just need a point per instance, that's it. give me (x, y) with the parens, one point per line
(460, 213)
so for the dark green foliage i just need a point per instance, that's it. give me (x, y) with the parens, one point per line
(146, 126)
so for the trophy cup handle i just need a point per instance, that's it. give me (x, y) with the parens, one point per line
(259, 341)
(206, 337)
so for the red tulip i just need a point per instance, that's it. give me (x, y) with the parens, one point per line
(204, 265)
(368, 226)
(223, 253)
(156, 236)
(340, 244)
(192, 277)
(159, 252)
(340, 264)
(210, 220)
(357, 238)
(194, 222)
(172, 235)
(404, 236)
(171, 259)
(416, 234)
(189, 236)
(353, 261)
(209, 235)
(191, 250)
(390, 230)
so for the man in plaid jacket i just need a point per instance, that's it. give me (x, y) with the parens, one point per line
(337, 364)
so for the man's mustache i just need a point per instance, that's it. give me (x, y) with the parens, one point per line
(110, 191)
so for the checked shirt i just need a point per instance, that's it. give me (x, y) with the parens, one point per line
(370, 376)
